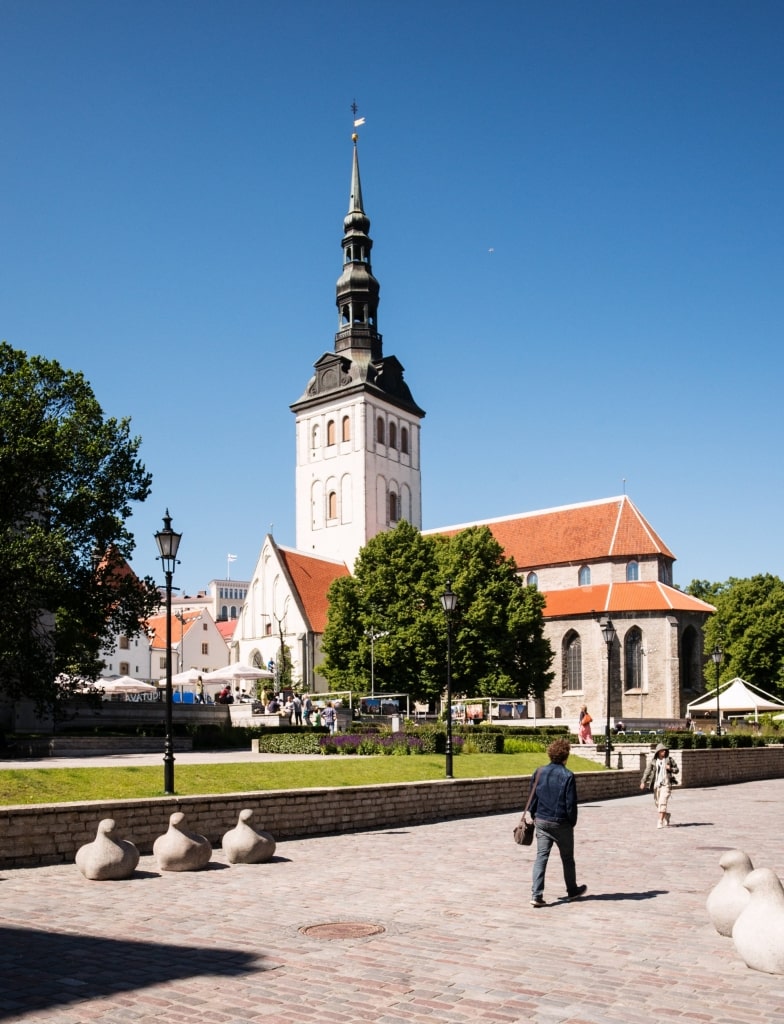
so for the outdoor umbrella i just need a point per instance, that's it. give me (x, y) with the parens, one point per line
(190, 675)
(233, 673)
(124, 684)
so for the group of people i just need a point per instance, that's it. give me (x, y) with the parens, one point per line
(299, 710)
(553, 805)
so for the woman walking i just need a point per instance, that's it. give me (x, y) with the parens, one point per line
(659, 777)
(584, 728)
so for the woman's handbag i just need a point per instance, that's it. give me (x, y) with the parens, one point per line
(524, 832)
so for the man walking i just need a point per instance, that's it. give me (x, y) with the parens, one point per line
(554, 808)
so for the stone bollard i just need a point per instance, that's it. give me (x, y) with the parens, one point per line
(758, 933)
(107, 857)
(246, 845)
(729, 896)
(181, 850)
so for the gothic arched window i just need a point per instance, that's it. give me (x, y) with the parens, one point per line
(394, 513)
(330, 432)
(346, 429)
(532, 580)
(404, 440)
(584, 576)
(572, 662)
(632, 657)
(380, 432)
(332, 505)
(392, 435)
(632, 572)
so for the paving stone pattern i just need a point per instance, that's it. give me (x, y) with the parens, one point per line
(460, 943)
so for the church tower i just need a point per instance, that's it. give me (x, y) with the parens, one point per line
(357, 426)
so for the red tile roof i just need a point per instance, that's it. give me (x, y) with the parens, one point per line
(311, 578)
(226, 627)
(614, 598)
(594, 530)
(157, 623)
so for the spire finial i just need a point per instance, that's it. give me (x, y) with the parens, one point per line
(358, 121)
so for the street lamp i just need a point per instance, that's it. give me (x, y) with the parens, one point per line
(449, 604)
(168, 542)
(373, 635)
(609, 634)
(717, 654)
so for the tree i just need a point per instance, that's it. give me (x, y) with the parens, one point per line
(748, 626)
(500, 649)
(394, 598)
(68, 477)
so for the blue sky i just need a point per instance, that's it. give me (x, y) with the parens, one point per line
(577, 215)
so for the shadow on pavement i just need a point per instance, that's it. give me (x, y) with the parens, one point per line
(40, 970)
(650, 894)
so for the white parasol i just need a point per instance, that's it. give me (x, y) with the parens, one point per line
(233, 673)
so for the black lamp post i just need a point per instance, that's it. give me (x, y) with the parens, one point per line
(168, 542)
(374, 635)
(717, 655)
(608, 632)
(449, 604)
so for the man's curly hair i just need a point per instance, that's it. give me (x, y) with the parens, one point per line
(558, 751)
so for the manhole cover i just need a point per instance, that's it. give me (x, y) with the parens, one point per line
(342, 930)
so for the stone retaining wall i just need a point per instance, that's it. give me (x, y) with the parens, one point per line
(52, 833)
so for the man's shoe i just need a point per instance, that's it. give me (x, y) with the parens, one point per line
(581, 890)
(537, 901)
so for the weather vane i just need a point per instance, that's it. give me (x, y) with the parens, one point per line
(358, 121)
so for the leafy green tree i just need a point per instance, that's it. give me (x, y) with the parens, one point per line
(749, 627)
(500, 649)
(394, 597)
(68, 477)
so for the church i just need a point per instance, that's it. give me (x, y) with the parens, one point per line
(358, 472)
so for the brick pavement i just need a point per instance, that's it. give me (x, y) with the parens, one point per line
(460, 942)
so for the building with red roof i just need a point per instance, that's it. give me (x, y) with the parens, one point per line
(358, 473)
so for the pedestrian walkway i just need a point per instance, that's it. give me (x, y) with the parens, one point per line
(428, 925)
(137, 760)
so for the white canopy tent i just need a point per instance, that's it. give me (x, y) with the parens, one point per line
(233, 673)
(736, 697)
(126, 686)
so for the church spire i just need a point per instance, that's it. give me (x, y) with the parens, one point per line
(357, 289)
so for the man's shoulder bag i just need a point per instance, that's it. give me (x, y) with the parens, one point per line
(524, 831)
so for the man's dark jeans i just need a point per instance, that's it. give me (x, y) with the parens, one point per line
(547, 833)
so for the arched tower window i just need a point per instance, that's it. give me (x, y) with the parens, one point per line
(345, 315)
(394, 512)
(691, 659)
(332, 505)
(632, 572)
(345, 432)
(392, 435)
(404, 440)
(632, 659)
(532, 580)
(380, 432)
(584, 576)
(330, 432)
(572, 662)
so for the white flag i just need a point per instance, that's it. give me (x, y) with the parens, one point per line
(359, 122)
(232, 558)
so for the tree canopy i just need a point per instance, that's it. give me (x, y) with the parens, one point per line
(748, 626)
(387, 620)
(68, 477)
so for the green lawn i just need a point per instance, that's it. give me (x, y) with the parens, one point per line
(61, 785)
